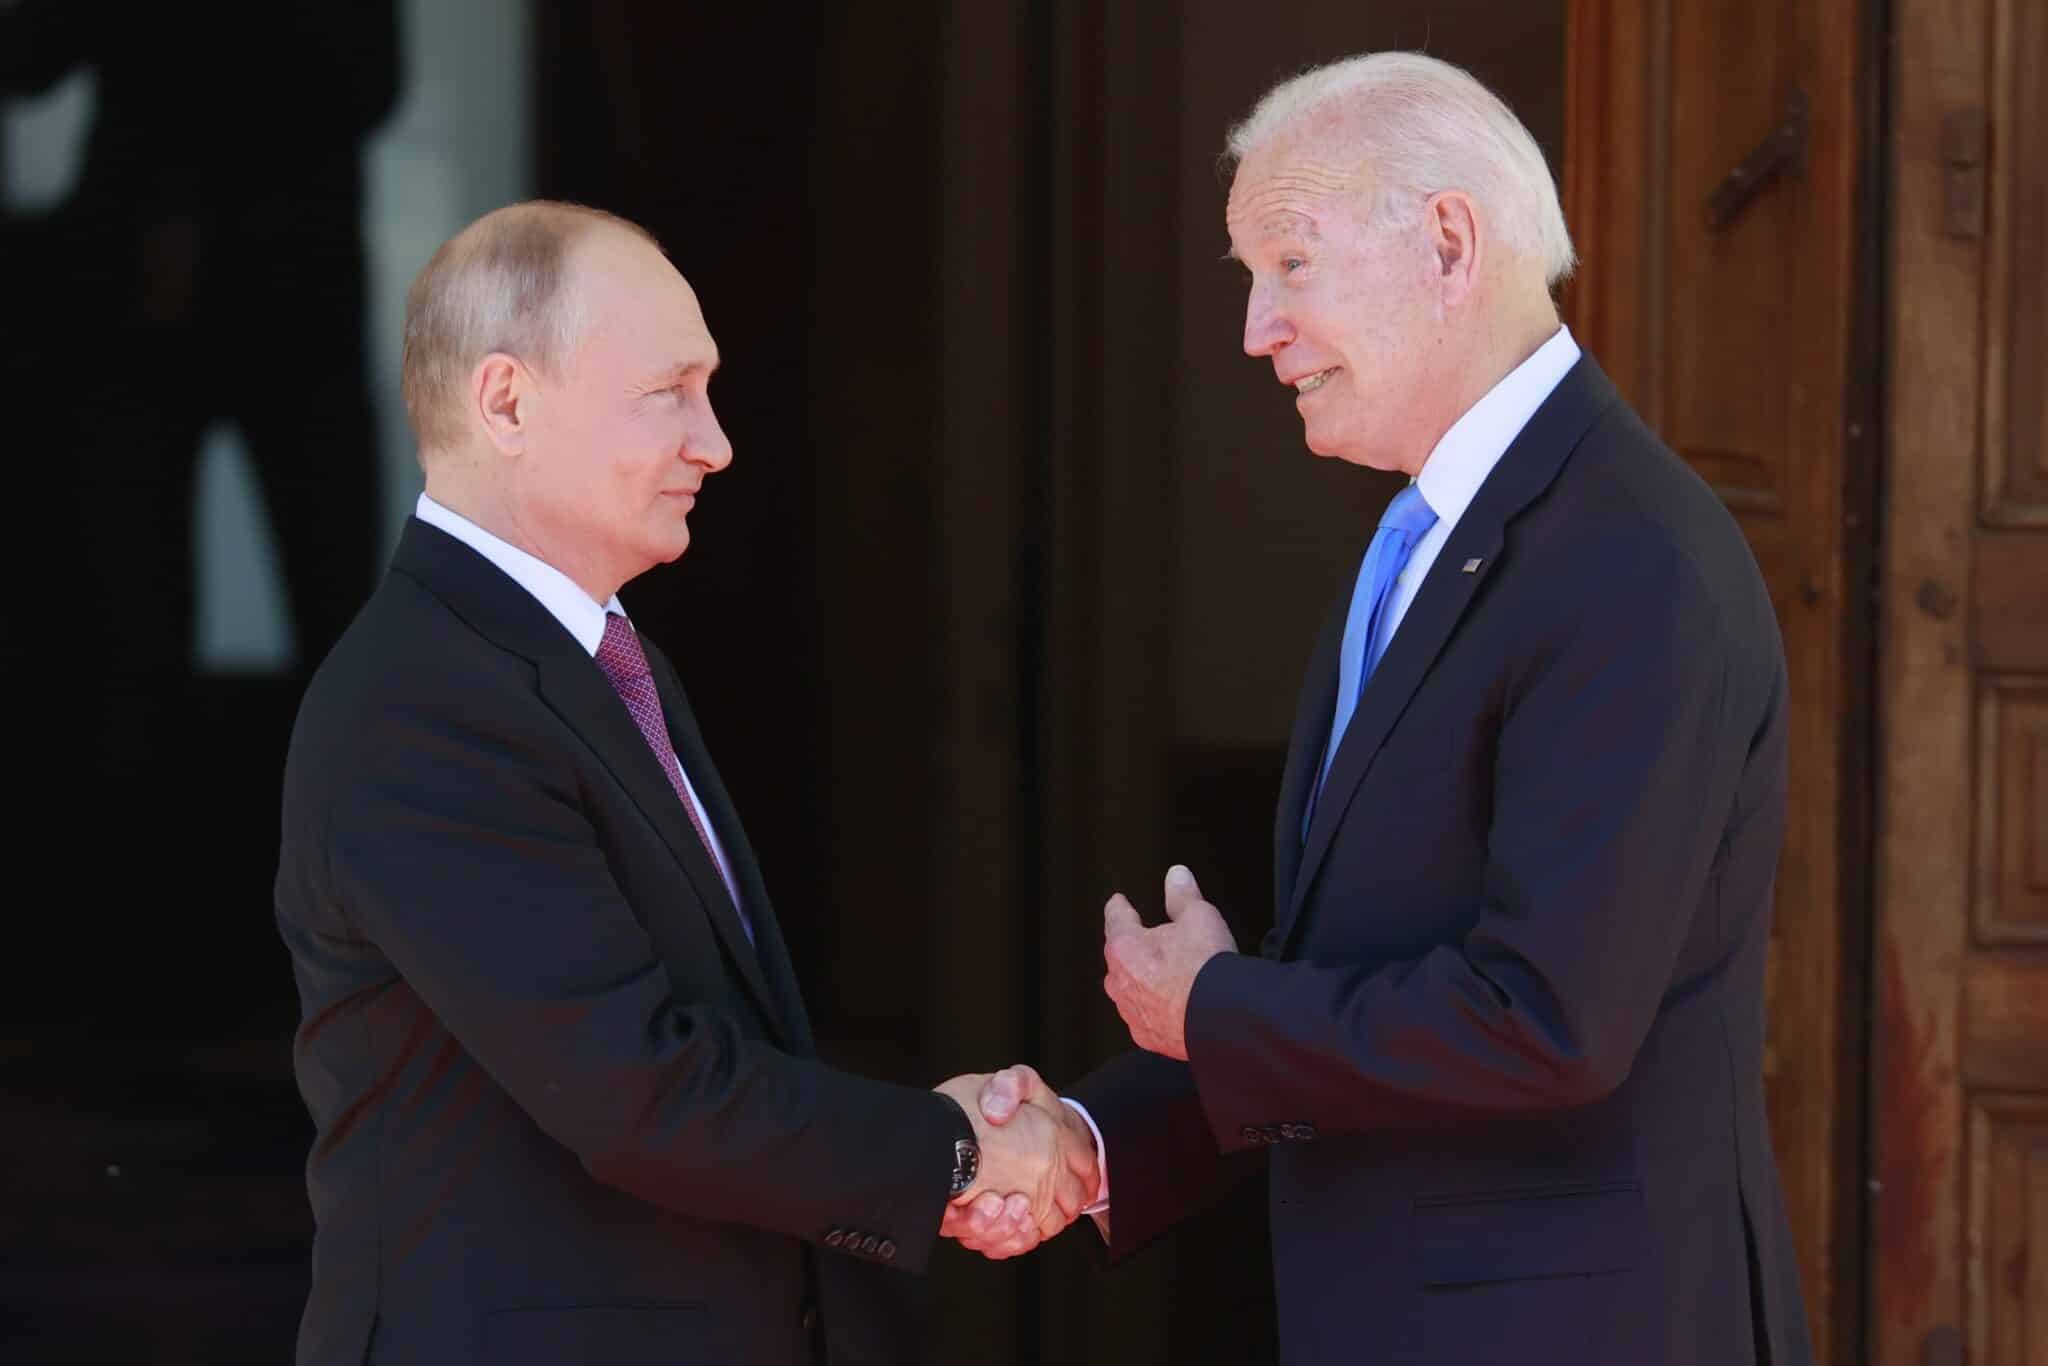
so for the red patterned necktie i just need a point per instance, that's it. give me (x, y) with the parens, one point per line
(625, 664)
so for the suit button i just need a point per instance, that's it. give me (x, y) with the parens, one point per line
(835, 1237)
(1305, 1132)
(1272, 1133)
(871, 1245)
(888, 1249)
(1251, 1133)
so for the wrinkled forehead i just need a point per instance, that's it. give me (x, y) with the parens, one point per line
(1292, 184)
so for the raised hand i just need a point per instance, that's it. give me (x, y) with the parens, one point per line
(1152, 971)
(1037, 1164)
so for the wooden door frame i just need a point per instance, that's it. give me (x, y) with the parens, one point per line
(1958, 1030)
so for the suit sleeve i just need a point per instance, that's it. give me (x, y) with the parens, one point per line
(1615, 773)
(1163, 1164)
(468, 859)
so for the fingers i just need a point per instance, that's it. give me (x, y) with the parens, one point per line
(1181, 891)
(996, 1226)
(1119, 918)
(976, 1219)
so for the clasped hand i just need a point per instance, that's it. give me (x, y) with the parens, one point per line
(1038, 1158)
(1037, 1163)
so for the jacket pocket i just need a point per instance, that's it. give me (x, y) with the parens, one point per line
(1487, 1236)
(605, 1335)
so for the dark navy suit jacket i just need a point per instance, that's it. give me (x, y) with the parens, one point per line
(1501, 1059)
(565, 1112)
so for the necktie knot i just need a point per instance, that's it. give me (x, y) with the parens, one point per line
(619, 653)
(1409, 513)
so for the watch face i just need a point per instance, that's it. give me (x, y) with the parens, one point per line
(966, 1163)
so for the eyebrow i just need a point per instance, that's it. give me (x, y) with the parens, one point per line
(681, 371)
(1281, 223)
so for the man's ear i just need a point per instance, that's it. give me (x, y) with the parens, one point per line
(502, 396)
(1454, 237)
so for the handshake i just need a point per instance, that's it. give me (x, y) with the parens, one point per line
(1039, 1161)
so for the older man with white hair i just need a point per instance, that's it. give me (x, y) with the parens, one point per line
(1501, 1058)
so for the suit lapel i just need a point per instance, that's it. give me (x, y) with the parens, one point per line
(1524, 470)
(769, 947)
(583, 697)
(576, 689)
(1442, 600)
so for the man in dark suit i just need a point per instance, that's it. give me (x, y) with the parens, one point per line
(567, 1100)
(1500, 1059)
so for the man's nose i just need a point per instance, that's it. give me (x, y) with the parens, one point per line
(708, 445)
(1266, 329)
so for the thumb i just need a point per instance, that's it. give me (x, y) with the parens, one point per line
(1181, 891)
(1004, 1091)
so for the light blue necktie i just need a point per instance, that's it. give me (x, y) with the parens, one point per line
(1366, 628)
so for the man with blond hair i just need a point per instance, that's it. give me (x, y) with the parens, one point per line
(567, 1098)
(1501, 1058)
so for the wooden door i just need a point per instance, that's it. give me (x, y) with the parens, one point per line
(1960, 1065)
(1724, 303)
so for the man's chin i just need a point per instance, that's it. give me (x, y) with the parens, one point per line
(672, 546)
(1327, 445)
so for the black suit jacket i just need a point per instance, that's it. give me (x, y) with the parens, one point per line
(565, 1111)
(1503, 1052)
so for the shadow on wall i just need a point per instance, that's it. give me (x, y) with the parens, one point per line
(209, 219)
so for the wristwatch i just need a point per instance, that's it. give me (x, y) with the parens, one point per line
(966, 1164)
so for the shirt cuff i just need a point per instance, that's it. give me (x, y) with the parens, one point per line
(1101, 1201)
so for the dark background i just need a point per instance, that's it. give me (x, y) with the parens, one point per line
(1000, 608)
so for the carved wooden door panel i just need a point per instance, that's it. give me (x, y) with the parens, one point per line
(1960, 1064)
(1711, 160)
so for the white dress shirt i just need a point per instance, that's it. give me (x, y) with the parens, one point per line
(1460, 462)
(1457, 466)
(581, 615)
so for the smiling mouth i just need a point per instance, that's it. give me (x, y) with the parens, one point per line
(1308, 384)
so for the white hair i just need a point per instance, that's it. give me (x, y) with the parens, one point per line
(501, 284)
(1420, 126)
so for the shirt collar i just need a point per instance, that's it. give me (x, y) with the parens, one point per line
(580, 614)
(1475, 443)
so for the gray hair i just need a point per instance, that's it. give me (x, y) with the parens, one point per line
(501, 284)
(1422, 125)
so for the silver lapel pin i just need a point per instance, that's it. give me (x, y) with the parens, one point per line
(1471, 566)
